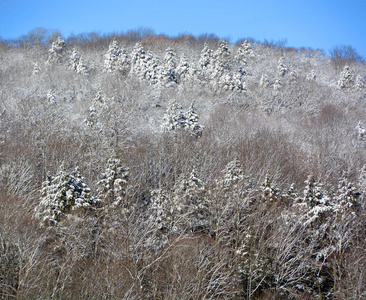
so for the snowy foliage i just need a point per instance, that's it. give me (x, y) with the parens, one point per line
(281, 67)
(55, 54)
(112, 186)
(233, 173)
(175, 118)
(190, 196)
(51, 98)
(264, 81)
(62, 194)
(311, 76)
(361, 131)
(346, 79)
(359, 83)
(168, 74)
(36, 69)
(244, 53)
(77, 63)
(111, 58)
(270, 192)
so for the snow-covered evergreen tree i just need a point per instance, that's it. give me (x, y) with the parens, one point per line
(112, 56)
(206, 57)
(264, 81)
(360, 82)
(62, 194)
(190, 195)
(311, 75)
(77, 63)
(269, 192)
(92, 119)
(313, 194)
(233, 173)
(51, 98)
(168, 76)
(281, 67)
(192, 121)
(150, 68)
(36, 69)
(112, 186)
(347, 194)
(174, 118)
(183, 70)
(361, 131)
(55, 54)
(244, 53)
(346, 79)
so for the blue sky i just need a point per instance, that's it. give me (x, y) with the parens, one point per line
(309, 23)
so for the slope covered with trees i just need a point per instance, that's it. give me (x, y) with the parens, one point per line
(141, 166)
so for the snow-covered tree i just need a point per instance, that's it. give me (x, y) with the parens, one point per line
(233, 173)
(111, 57)
(168, 76)
(138, 59)
(311, 75)
(244, 53)
(222, 53)
(183, 70)
(347, 194)
(360, 82)
(313, 194)
(264, 81)
(192, 121)
(281, 67)
(77, 63)
(361, 131)
(277, 84)
(62, 194)
(150, 68)
(206, 57)
(346, 79)
(92, 119)
(269, 192)
(112, 186)
(55, 54)
(51, 98)
(190, 195)
(36, 69)
(174, 118)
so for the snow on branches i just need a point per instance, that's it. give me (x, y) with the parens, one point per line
(63, 194)
(175, 118)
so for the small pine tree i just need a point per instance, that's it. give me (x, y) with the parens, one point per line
(56, 52)
(346, 79)
(111, 57)
(206, 57)
(192, 122)
(264, 81)
(36, 69)
(244, 53)
(359, 83)
(112, 186)
(269, 192)
(174, 118)
(51, 98)
(62, 194)
(311, 76)
(168, 76)
(233, 173)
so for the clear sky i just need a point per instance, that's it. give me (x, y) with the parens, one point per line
(309, 23)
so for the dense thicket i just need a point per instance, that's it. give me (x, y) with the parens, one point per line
(141, 166)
